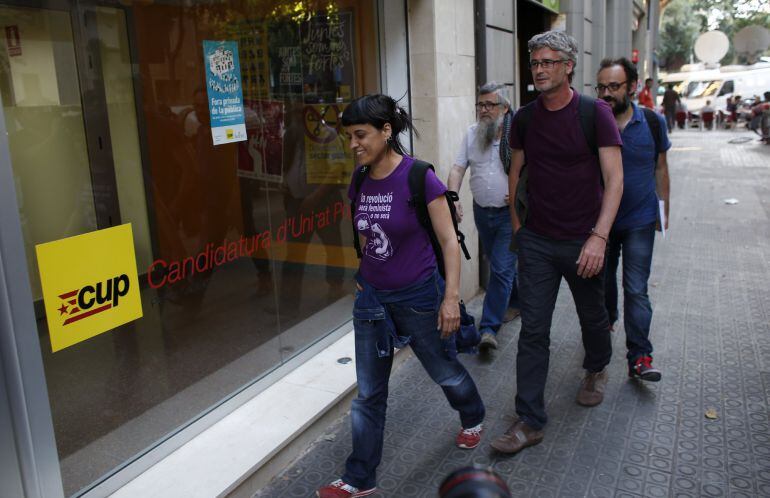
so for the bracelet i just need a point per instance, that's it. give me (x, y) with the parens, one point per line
(594, 232)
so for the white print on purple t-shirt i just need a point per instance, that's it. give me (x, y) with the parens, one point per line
(370, 209)
(378, 244)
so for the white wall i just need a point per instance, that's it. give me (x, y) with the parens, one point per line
(442, 62)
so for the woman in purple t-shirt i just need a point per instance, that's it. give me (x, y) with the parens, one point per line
(401, 298)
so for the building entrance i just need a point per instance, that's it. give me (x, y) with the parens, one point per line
(531, 19)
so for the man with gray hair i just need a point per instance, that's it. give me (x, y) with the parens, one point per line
(574, 184)
(485, 150)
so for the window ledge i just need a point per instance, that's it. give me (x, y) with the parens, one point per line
(215, 462)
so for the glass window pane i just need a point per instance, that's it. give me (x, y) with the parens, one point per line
(244, 250)
(46, 135)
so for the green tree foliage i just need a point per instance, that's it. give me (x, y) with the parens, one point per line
(728, 16)
(678, 30)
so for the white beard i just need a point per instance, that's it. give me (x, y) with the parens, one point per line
(486, 132)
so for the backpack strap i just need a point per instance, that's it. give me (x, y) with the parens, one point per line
(523, 117)
(520, 201)
(416, 181)
(654, 124)
(505, 146)
(452, 197)
(358, 180)
(587, 115)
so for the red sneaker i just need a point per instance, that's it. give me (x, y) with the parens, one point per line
(643, 369)
(338, 489)
(469, 438)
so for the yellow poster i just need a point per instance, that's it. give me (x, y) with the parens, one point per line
(328, 159)
(89, 284)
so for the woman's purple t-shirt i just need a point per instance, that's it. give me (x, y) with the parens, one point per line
(564, 186)
(398, 251)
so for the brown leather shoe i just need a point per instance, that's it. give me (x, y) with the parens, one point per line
(517, 437)
(591, 391)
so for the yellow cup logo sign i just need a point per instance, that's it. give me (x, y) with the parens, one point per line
(89, 284)
(229, 133)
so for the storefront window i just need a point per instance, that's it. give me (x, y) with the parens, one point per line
(244, 249)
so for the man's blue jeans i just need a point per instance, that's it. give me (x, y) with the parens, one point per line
(636, 246)
(495, 232)
(373, 372)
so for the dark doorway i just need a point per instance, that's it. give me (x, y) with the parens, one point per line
(531, 20)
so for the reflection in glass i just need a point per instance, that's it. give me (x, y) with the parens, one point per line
(244, 249)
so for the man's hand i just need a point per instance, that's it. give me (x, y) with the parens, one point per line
(459, 210)
(448, 318)
(591, 260)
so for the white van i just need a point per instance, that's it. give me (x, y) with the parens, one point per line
(681, 80)
(745, 81)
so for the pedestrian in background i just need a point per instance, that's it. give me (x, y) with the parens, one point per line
(645, 96)
(481, 152)
(671, 100)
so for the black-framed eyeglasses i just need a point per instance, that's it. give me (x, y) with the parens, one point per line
(613, 87)
(487, 106)
(545, 63)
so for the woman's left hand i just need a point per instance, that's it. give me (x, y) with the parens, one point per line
(448, 318)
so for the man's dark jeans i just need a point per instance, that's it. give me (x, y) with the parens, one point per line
(636, 245)
(542, 264)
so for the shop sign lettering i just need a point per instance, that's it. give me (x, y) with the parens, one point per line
(164, 272)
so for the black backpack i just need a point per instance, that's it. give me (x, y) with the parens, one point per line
(416, 181)
(654, 124)
(587, 116)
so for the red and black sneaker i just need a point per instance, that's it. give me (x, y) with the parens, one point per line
(339, 489)
(643, 369)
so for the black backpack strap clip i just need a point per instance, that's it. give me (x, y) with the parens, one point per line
(358, 181)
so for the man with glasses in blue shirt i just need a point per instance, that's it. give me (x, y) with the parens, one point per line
(645, 181)
(564, 235)
(481, 151)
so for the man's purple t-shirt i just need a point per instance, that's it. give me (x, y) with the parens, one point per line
(564, 187)
(398, 251)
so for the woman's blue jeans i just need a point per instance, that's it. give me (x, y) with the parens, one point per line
(373, 372)
(636, 245)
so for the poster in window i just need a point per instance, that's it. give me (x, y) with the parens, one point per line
(225, 96)
(328, 158)
(253, 36)
(261, 156)
(327, 56)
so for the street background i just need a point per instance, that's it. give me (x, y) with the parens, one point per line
(711, 333)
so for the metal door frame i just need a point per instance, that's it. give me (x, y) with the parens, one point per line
(27, 402)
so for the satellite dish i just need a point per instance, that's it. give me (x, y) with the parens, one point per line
(710, 47)
(751, 40)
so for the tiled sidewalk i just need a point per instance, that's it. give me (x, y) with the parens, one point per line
(710, 290)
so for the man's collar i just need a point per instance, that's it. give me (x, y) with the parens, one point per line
(637, 115)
